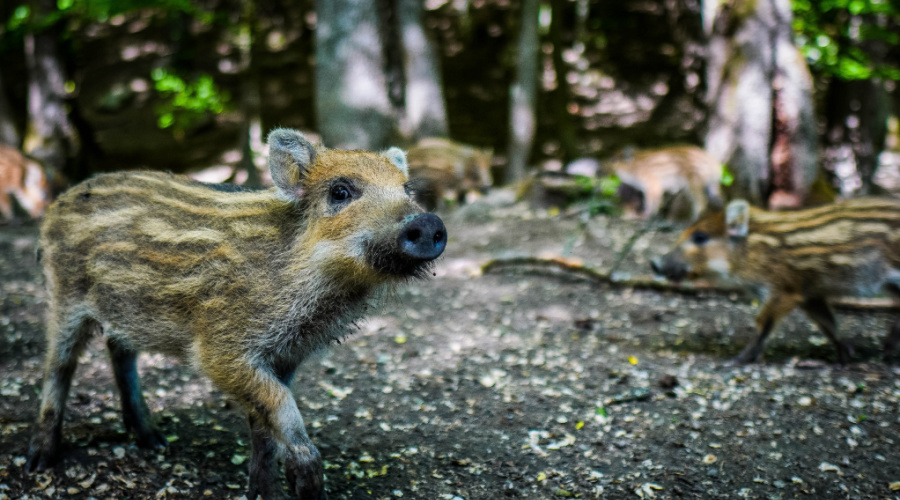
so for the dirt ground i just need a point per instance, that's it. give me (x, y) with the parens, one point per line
(506, 384)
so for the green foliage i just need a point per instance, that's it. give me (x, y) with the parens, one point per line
(24, 19)
(101, 10)
(186, 103)
(837, 36)
(601, 194)
(727, 176)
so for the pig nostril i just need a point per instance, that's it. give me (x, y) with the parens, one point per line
(423, 238)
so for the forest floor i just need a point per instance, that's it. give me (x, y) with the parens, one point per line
(506, 384)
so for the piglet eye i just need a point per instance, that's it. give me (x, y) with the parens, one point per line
(340, 193)
(699, 237)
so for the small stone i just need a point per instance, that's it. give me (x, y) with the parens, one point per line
(668, 382)
(827, 467)
(119, 452)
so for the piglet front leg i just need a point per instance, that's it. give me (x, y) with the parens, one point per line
(276, 427)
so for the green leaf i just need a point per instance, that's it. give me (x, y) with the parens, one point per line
(609, 185)
(165, 120)
(727, 176)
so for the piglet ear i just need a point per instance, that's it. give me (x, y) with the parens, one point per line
(737, 218)
(398, 157)
(290, 155)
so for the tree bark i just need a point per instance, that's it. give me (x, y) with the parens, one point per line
(9, 133)
(425, 113)
(250, 141)
(794, 152)
(760, 90)
(523, 94)
(50, 138)
(740, 73)
(352, 104)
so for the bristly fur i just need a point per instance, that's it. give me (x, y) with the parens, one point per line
(23, 178)
(445, 170)
(802, 258)
(655, 172)
(242, 284)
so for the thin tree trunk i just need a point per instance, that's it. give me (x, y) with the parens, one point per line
(352, 105)
(51, 138)
(425, 113)
(251, 129)
(523, 94)
(9, 133)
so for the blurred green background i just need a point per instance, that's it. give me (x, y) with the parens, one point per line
(185, 85)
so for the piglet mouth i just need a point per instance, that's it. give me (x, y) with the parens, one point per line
(674, 274)
(421, 239)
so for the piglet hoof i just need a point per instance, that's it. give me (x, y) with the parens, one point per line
(267, 491)
(845, 351)
(152, 439)
(39, 459)
(748, 356)
(305, 472)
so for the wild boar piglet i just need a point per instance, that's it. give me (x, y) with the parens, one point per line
(241, 284)
(800, 258)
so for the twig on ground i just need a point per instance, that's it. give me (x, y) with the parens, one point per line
(600, 278)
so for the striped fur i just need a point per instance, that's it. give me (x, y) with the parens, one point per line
(24, 179)
(448, 171)
(656, 172)
(242, 284)
(801, 257)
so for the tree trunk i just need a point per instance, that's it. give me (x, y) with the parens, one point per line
(51, 138)
(523, 94)
(566, 125)
(250, 141)
(740, 74)
(425, 113)
(794, 155)
(352, 105)
(9, 133)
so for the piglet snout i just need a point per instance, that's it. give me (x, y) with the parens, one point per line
(423, 237)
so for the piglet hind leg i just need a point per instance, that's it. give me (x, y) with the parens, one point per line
(134, 409)
(893, 338)
(65, 341)
(820, 312)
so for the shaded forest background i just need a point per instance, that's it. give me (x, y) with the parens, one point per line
(787, 94)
